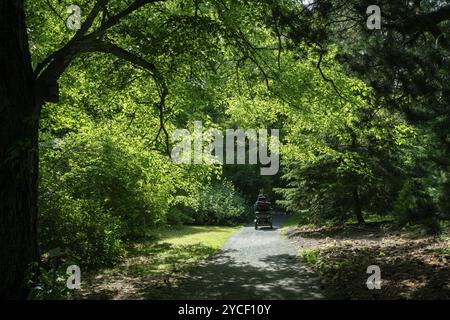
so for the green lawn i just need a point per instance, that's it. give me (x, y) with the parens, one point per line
(211, 236)
(153, 269)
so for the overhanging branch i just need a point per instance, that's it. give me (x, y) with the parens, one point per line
(115, 19)
(110, 48)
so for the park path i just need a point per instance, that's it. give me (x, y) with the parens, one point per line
(253, 264)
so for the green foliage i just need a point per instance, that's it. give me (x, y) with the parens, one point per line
(217, 203)
(336, 145)
(249, 182)
(48, 281)
(82, 228)
(406, 65)
(415, 205)
(220, 204)
(98, 189)
(311, 256)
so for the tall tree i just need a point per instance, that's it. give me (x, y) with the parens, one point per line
(18, 155)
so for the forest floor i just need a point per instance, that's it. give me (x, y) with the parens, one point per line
(152, 269)
(413, 265)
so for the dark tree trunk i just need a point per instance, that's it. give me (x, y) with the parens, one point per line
(19, 122)
(357, 206)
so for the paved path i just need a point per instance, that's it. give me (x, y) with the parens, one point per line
(253, 264)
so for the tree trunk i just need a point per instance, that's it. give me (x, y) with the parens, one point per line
(357, 207)
(19, 123)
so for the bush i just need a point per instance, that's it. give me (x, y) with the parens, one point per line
(118, 175)
(81, 228)
(416, 206)
(48, 282)
(96, 190)
(215, 204)
(176, 216)
(100, 188)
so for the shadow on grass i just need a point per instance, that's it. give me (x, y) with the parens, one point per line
(150, 271)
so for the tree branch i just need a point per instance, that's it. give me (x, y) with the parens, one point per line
(54, 11)
(319, 67)
(50, 69)
(99, 5)
(110, 48)
(422, 22)
(115, 19)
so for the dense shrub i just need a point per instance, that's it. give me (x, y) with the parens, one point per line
(415, 205)
(98, 190)
(48, 280)
(217, 203)
(80, 227)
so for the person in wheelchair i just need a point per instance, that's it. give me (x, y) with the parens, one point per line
(263, 214)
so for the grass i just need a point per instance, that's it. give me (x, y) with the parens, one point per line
(211, 236)
(373, 218)
(153, 269)
(310, 256)
(294, 221)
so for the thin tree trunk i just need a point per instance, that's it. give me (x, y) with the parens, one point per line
(19, 122)
(357, 206)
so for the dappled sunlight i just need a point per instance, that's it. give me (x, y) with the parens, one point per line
(153, 268)
(281, 277)
(200, 148)
(411, 267)
(253, 264)
(208, 235)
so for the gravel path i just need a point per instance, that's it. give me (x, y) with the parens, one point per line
(253, 264)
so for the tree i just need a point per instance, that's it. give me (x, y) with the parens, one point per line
(341, 157)
(18, 155)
